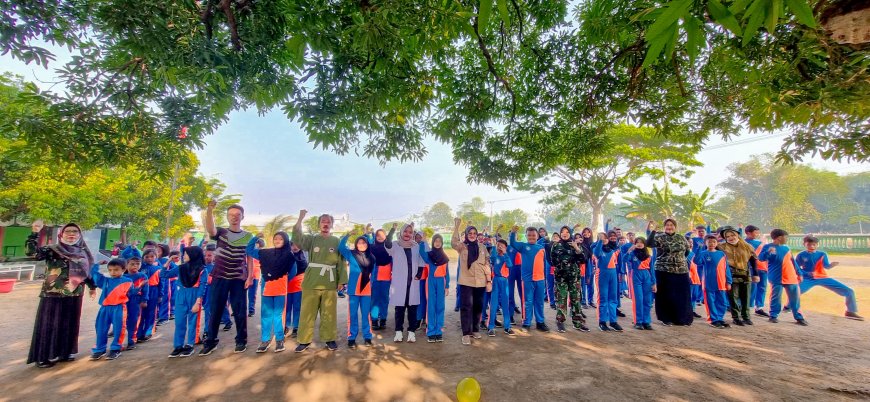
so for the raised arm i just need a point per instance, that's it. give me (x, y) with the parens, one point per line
(251, 249)
(512, 239)
(343, 249)
(97, 277)
(425, 256)
(454, 239)
(298, 237)
(388, 243)
(209, 218)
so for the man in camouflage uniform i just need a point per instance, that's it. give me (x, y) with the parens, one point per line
(566, 257)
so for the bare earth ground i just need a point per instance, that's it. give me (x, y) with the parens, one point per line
(827, 361)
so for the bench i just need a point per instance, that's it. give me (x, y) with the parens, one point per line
(18, 268)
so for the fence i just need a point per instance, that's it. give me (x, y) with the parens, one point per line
(841, 243)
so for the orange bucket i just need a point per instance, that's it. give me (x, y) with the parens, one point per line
(6, 285)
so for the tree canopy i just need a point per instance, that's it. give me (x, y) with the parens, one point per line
(509, 84)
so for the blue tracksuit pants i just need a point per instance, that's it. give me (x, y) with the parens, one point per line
(487, 300)
(424, 298)
(114, 318)
(435, 306)
(608, 295)
(380, 300)
(272, 317)
(294, 304)
(499, 298)
(642, 295)
(589, 286)
(163, 306)
(534, 293)
(551, 285)
(757, 291)
(697, 294)
(515, 282)
(360, 308)
(716, 304)
(149, 315)
(187, 324)
(134, 313)
(794, 300)
(252, 297)
(834, 286)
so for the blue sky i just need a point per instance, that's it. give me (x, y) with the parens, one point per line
(269, 161)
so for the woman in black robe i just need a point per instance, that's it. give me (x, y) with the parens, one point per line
(673, 303)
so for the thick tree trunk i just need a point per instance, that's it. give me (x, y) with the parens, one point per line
(124, 233)
(597, 217)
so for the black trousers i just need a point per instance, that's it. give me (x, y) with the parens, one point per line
(739, 300)
(413, 323)
(219, 291)
(470, 308)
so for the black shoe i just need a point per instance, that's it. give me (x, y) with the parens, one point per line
(143, 339)
(619, 313)
(553, 306)
(483, 324)
(376, 325)
(186, 351)
(592, 305)
(114, 354)
(97, 355)
(738, 322)
(499, 324)
(69, 358)
(717, 324)
(802, 323)
(45, 365)
(696, 315)
(228, 326)
(616, 327)
(367, 342)
(240, 348)
(773, 320)
(526, 328)
(351, 344)
(647, 327)
(490, 332)
(581, 328)
(854, 316)
(331, 345)
(430, 339)
(250, 314)
(513, 321)
(295, 333)
(287, 331)
(301, 347)
(667, 323)
(279, 346)
(761, 312)
(110, 334)
(510, 332)
(584, 306)
(747, 321)
(172, 316)
(517, 310)
(455, 309)
(786, 308)
(175, 353)
(603, 326)
(560, 327)
(161, 322)
(264, 347)
(638, 326)
(207, 350)
(542, 327)
(341, 295)
(439, 338)
(130, 346)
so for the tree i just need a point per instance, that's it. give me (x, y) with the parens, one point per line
(697, 208)
(389, 225)
(508, 218)
(473, 212)
(278, 223)
(655, 205)
(439, 215)
(859, 220)
(312, 224)
(632, 153)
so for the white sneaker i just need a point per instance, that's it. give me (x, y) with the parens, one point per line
(466, 340)
(412, 337)
(398, 337)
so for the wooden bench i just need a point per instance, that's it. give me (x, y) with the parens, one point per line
(18, 268)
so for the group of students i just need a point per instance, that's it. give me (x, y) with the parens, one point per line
(300, 280)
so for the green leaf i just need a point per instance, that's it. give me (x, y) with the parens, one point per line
(657, 45)
(695, 36)
(756, 17)
(669, 17)
(503, 10)
(802, 11)
(739, 6)
(772, 15)
(724, 17)
(483, 14)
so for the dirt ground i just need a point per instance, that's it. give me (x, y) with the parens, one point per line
(830, 360)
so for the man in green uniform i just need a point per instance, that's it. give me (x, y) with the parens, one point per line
(325, 274)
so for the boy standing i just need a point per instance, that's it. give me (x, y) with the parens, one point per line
(783, 274)
(758, 289)
(136, 299)
(533, 270)
(813, 265)
(717, 280)
(113, 308)
(501, 270)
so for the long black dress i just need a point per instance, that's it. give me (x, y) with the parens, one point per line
(673, 302)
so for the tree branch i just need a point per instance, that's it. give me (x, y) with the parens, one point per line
(491, 67)
(227, 7)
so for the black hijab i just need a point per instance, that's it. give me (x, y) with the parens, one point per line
(472, 246)
(437, 255)
(366, 261)
(190, 271)
(587, 242)
(570, 236)
(379, 250)
(641, 253)
(277, 262)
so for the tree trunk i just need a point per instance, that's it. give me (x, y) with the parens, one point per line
(124, 233)
(597, 218)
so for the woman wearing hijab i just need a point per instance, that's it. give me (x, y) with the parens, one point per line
(383, 275)
(193, 279)
(641, 282)
(565, 257)
(68, 263)
(742, 263)
(422, 309)
(276, 265)
(474, 281)
(588, 271)
(673, 297)
(362, 263)
(437, 287)
(405, 286)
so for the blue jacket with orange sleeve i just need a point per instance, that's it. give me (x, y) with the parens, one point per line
(717, 275)
(533, 255)
(781, 266)
(116, 291)
(813, 265)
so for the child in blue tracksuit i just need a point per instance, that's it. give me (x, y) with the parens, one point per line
(782, 272)
(155, 294)
(548, 269)
(165, 310)
(588, 270)
(641, 281)
(814, 265)
(277, 264)
(193, 279)
(757, 290)
(383, 275)
(137, 299)
(361, 262)
(422, 311)
(501, 270)
(113, 308)
(437, 287)
(294, 292)
(534, 278)
(717, 281)
(606, 253)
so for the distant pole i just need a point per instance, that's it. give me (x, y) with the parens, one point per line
(173, 186)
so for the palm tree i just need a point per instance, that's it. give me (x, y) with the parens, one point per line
(698, 208)
(279, 223)
(655, 205)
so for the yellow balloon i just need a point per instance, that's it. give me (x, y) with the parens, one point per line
(468, 390)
